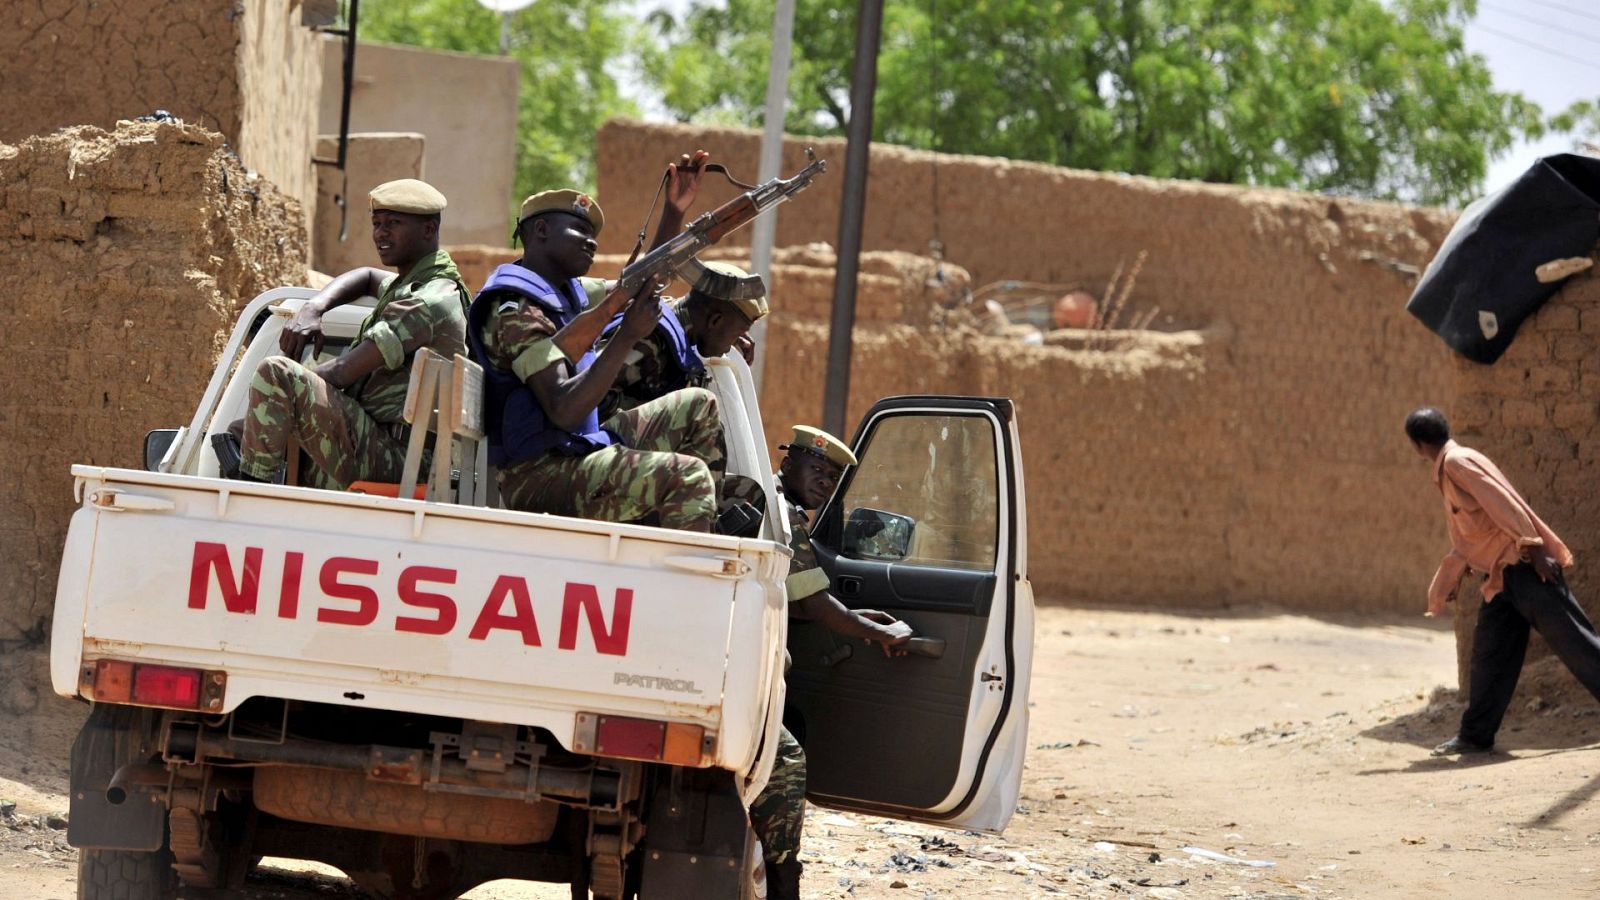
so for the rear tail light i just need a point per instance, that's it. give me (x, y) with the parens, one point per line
(146, 684)
(647, 739)
(113, 681)
(167, 686)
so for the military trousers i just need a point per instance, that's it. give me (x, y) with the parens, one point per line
(289, 402)
(778, 814)
(660, 469)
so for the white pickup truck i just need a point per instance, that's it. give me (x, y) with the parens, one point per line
(430, 696)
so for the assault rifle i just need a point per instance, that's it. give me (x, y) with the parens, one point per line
(665, 260)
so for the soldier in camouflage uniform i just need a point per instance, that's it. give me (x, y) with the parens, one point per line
(346, 413)
(723, 302)
(810, 470)
(715, 317)
(534, 328)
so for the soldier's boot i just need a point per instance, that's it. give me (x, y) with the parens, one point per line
(783, 880)
(226, 446)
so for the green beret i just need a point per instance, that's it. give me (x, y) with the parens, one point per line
(725, 281)
(566, 200)
(820, 443)
(407, 195)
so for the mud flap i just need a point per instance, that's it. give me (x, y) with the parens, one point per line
(697, 839)
(112, 737)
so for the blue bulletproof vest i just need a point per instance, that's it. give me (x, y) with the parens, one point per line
(684, 355)
(517, 425)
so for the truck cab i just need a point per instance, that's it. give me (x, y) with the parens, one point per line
(431, 695)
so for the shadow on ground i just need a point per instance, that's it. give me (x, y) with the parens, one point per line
(1550, 713)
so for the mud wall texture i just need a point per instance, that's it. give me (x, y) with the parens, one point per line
(1535, 414)
(471, 152)
(1247, 452)
(1247, 461)
(247, 69)
(342, 196)
(136, 248)
(280, 76)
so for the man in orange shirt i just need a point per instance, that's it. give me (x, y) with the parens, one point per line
(1493, 530)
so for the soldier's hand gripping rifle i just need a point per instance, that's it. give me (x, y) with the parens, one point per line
(660, 264)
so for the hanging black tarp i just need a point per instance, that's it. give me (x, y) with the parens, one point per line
(1481, 283)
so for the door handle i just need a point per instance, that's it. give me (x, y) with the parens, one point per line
(717, 566)
(113, 500)
(931, 647)
(849, 586)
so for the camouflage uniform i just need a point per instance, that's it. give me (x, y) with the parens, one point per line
(357, 434)
(779, 812)
(661, 466)
(649, 371)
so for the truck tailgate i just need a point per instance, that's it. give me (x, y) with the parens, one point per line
(430, 608)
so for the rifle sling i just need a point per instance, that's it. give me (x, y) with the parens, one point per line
(718, 168)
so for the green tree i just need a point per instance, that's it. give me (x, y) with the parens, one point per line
(1377, 98)
(567, 49)
(1582, 121)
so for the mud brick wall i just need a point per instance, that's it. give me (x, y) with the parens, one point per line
(1249, 453)
(248, 69)
(1536, 412)
(1160, 469)
(476, 261)
(136, 249)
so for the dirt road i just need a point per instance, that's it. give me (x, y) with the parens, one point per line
(1294, 747)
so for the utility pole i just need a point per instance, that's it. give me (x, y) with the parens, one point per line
(766, 227)
(852, 207)
(505, 8)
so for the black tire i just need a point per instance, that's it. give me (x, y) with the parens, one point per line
(126, 875)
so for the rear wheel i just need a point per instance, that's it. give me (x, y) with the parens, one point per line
(126, 875)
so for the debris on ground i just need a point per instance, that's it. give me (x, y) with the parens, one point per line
(1214, 856)
(41, 837)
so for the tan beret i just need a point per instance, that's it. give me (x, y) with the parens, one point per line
(407, 195)
(725, 281)
(820, 443)
(566, 200)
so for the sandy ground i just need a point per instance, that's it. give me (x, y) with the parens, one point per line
(1294, 747)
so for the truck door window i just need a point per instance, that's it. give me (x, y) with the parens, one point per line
(926, 493)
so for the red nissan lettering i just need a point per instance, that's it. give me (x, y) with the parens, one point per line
(237, 596)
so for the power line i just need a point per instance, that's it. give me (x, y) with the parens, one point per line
(1567, 9)
(1542, 23)
(1537, 46)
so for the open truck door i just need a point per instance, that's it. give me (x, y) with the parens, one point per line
(930, 527)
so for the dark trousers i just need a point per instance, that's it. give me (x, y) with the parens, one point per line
(1501, 641)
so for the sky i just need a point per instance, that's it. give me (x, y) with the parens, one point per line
(1529, 45)
(1547, 50)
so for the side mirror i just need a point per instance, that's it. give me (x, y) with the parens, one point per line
(877, 535)
(156, 445)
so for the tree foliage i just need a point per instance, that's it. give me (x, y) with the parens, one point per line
(1582, 121)
(1371, 97)
(568, 50)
